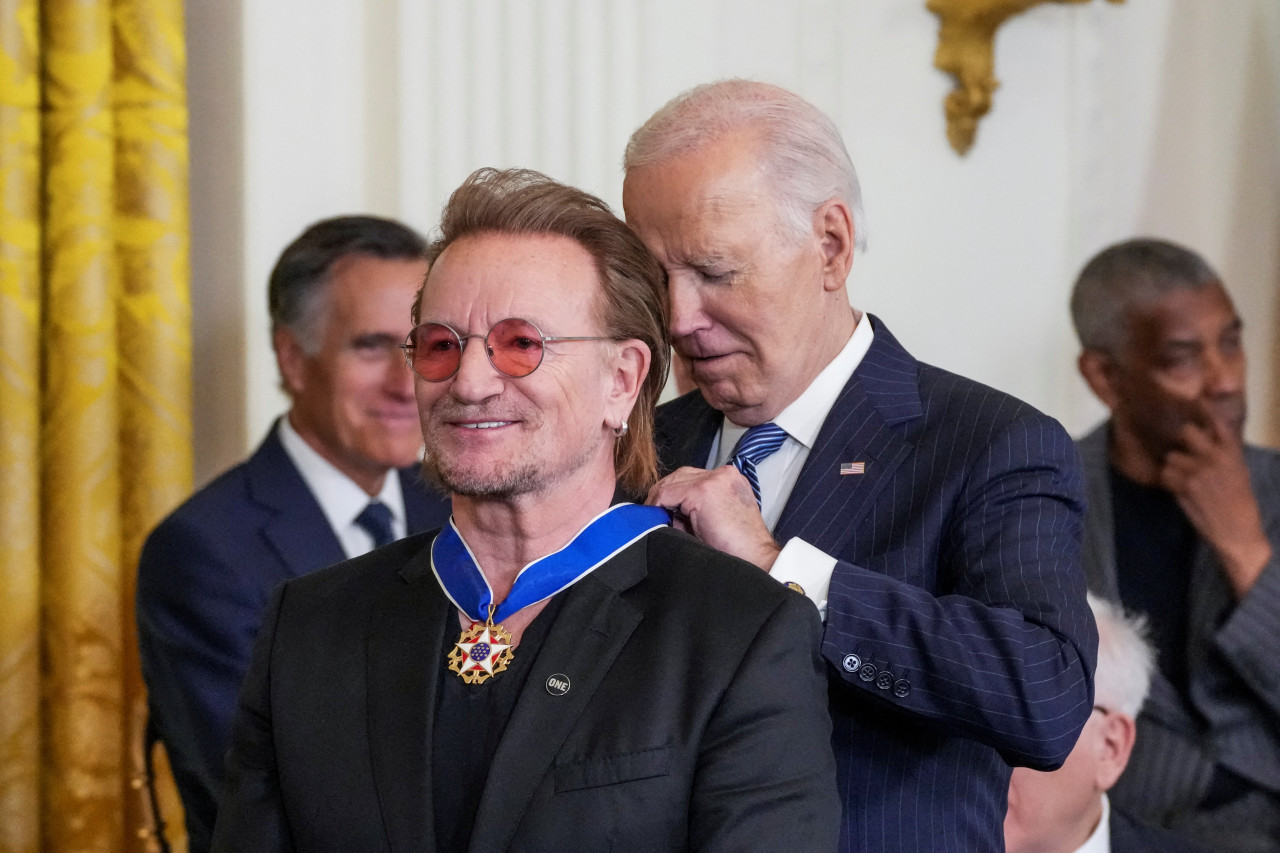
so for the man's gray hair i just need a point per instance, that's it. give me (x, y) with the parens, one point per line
(804, 155)
(1126, 659)
(1126, 275)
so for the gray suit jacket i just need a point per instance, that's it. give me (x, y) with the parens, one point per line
(1233, 717)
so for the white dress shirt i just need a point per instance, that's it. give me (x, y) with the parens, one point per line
(339, 497)
(799, 562)
(1100, 840)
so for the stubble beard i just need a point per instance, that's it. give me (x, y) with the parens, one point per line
(457, 478)
(500, 485)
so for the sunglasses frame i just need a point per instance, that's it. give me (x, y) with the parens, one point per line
(409, 347)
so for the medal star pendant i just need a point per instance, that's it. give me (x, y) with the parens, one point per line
(483, 651)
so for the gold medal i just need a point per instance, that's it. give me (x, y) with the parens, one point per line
(483, 650)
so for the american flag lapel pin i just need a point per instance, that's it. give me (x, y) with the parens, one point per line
(852, 468)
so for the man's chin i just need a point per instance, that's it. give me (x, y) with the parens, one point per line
(487, 485)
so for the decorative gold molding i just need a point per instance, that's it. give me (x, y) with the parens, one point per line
(966, 51)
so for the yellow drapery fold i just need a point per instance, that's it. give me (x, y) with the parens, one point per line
(95, 397)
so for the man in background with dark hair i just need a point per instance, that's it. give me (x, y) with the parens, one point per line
(1183, 525)
(315, 492)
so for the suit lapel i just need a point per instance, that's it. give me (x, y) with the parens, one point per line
(1098, 555)
(824, 507)
(687, 429)
(404, 650)
(1099, 547)
(298, 530)
(593, 625)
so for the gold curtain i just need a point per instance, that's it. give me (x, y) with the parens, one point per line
(94, 399)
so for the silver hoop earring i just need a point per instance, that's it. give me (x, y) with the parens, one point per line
(620, 431)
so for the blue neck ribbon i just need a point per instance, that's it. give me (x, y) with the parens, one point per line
(604, 536)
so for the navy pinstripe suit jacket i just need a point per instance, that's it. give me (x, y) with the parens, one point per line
(958, 638)
(1233, 717)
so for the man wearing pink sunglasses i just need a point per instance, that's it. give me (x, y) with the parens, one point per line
(555, 669)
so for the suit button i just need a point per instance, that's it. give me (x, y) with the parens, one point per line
(867, 672)
(851, 663)
(901, 688)
(884, 680)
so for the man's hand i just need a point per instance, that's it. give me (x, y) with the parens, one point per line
(1208, 476)
(717, 507)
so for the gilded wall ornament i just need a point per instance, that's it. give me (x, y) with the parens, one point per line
(966, 51)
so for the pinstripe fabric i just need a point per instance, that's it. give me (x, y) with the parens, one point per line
(958, 638)
(1234, 674)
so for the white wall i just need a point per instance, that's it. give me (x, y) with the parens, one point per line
(1156, 116)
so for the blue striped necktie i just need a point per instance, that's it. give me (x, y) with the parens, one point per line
(757, 444)
(376, 521)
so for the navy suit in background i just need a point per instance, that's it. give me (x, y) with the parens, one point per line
(204, 578)
(958, 638)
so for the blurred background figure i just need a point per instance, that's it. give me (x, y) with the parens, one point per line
(334, 478)
(1183, 525)
(1067, 810)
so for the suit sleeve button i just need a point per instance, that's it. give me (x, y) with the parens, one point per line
(901, 688)
(867, 672)
(851, 663)
(884, 680)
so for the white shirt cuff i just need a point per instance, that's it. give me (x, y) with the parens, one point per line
(801, 564)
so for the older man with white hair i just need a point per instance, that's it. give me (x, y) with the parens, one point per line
(936, 520)
(1067, 810)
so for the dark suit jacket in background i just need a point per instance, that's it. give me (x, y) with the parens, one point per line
(1130, 836)
(1233, 672)
(958, 636)
(204, 577)
(695, 719)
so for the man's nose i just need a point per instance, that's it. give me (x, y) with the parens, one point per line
(1225, 372)
(399, 378)
(685, 306)
(477, 378)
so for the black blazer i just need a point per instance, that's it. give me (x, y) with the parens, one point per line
(958, 637)
(204, 577)
(696, 717)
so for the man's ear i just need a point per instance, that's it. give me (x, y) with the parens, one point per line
(628, 368)
(833, 222)
(1118, 734)
(291, 359)
(1098, 370)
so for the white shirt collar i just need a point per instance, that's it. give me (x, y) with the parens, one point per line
(338, 495)
(1100, 840)
(804, 417)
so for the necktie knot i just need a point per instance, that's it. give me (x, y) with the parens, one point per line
(375, 519)
(757, 444)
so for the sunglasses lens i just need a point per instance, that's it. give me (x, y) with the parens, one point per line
(436, 351)
(515, 347)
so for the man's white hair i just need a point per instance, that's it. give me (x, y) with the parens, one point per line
(803, 154)
(1126, 659)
